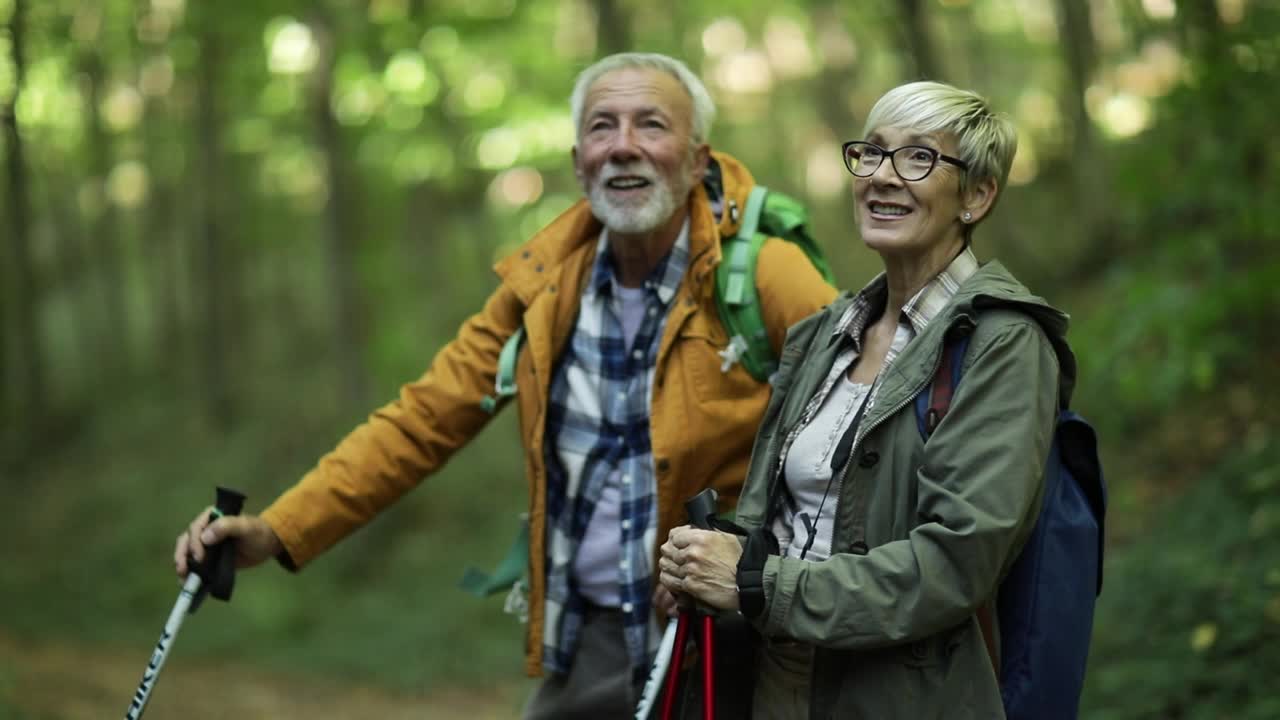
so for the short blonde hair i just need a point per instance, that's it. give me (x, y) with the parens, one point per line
(985, 140)
(704, 108)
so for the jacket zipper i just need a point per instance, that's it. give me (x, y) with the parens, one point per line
(857, 440)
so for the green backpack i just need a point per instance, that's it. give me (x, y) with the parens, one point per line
(768, 214)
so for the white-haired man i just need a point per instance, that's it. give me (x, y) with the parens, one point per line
(625, 410)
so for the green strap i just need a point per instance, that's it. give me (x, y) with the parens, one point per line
(736, 294)
(739, 260)
(511, 569)
(504, 383)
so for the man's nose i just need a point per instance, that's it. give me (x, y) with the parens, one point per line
(625, 144)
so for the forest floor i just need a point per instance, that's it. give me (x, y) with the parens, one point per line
(66, 682)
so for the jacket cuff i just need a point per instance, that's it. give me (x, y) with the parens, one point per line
(294, 554)
(778, 604)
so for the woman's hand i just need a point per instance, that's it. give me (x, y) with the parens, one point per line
(702, 564)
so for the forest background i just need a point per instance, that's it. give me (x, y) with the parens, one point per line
(230, 230)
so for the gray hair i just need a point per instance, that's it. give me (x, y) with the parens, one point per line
(704, 109)
(985, 140)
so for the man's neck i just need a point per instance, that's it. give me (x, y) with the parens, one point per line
(635, 256)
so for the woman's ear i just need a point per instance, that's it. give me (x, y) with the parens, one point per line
(978, 200)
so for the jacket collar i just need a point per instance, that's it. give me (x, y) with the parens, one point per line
(990, 287)
(917, 313)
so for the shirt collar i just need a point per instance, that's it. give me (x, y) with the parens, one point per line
(664, 279)
(922, 308)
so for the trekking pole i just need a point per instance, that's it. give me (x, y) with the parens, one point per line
(701, 509)
(216, 576)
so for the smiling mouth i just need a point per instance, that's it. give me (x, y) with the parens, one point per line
(888, 210)
(627, 183)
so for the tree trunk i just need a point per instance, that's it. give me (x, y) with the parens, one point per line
(30, 361)
(613, 28)
(215, 267)
(918, 41)
(162, 242)
(348, 329)
(1088, 183)
(1080, 58)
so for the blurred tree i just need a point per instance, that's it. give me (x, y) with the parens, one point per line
(27, 286)
(613, 27)
(341, 203)
(217, 266)
(1082, 162)
(104, 231)
(918, 42)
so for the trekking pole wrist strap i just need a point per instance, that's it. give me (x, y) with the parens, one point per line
(750, 573)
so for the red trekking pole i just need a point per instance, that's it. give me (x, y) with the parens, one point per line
(701, 509)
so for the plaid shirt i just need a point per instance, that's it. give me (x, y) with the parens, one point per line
(867, 306)
(598, 428)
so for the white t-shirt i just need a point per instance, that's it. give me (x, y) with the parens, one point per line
(808, 472)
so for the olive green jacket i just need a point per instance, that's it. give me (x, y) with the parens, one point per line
(923, 532)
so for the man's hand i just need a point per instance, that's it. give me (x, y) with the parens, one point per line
(702, 564)
(256, 542)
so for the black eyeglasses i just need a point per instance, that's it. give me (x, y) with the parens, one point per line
(911, 162)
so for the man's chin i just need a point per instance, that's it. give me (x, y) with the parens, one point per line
(628, 220)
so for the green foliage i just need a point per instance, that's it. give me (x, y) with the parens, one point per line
(1188, 623)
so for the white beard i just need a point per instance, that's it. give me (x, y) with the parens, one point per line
(630, 219)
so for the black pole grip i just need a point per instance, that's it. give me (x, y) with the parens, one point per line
(702, 508)
(218, 571)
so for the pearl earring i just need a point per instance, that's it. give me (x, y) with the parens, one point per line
(968, 216)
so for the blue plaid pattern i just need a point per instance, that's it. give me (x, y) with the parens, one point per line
(598, 428)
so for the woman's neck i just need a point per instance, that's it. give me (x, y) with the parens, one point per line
(906, 274)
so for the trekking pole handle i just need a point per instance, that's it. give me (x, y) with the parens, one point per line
(702, 508)
(218, 571)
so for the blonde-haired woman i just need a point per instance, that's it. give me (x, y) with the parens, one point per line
(887, 546)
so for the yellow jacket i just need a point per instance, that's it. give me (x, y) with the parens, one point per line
(702, 420)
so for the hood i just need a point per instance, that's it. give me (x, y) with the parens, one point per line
(994, 287)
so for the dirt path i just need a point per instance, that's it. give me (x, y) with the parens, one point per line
(44, 682)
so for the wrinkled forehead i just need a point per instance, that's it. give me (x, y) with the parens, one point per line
(631, 90)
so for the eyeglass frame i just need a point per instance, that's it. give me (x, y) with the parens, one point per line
(886, 153)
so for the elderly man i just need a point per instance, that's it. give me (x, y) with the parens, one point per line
(625, 406)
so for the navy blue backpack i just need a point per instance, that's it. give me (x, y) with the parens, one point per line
(1045, 604)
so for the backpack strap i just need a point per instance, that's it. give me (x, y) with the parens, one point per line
(736, 295)
(932, 406)
(504, 382)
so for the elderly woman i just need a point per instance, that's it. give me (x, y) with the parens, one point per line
(888, 546)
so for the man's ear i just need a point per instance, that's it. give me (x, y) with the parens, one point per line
(577, 169)
(979, 198)
(701, 158)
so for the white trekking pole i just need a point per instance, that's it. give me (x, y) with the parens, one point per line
(658, 673)
(215, 576)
